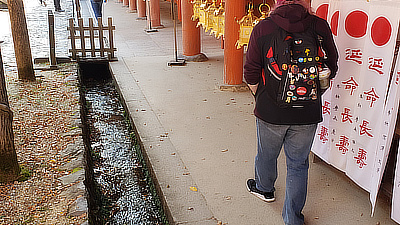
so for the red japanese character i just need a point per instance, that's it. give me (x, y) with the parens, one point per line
(371, 96)
(361, 157)
(354, 55)
(326, 109)
(343, 143)
(346, 115)
(364, 129)
(350, 84)
(323, 135)
(375, 64)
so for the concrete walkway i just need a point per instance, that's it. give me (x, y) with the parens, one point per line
(201, 141)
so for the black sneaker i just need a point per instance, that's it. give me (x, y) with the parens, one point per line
(60, 10)
(265, 196)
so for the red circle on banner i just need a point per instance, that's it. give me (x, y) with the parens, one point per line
(356, 24)
(322, 11)
(334, 23)
(381, 31)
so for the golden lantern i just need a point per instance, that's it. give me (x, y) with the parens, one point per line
(196, 9)
(246, 27)
(264, 10)
(222, 25)
(209, 22)
(202, 13)
(218, 21)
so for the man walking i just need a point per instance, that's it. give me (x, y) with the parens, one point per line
(97, 6)
(290, 123)
(57, 6)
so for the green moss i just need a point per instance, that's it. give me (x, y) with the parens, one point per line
(25, 174)
(76, 169)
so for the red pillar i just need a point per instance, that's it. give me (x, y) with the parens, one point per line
(178, 2)
(233, 58)
(190, 33)
(132, 5)
(154, 13)
(141, 8)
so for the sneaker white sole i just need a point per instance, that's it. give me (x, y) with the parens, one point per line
(260, 196)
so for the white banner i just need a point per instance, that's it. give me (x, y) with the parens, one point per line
(356, 133)
(396, 191)
(387, 129)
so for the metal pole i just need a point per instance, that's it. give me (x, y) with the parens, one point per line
(173, 18)
(176, 62)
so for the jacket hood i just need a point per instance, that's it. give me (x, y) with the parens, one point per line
(292, 18)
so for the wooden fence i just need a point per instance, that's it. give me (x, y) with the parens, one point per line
(92, 41)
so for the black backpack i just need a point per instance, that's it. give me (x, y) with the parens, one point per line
(294, 59)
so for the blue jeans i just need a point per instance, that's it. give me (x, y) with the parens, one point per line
(97, 8)
(57, 5)
(297, 141)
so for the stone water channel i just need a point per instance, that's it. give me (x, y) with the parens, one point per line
(125, 193)
(119, 185)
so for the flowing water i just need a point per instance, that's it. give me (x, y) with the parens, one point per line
(118, 166)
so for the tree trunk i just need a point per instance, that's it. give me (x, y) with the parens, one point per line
(9, 168)
(20, 35)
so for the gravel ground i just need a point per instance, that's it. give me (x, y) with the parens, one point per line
(43, 120)
(44, 116)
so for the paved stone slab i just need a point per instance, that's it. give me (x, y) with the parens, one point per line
(73, 177)
(174, 180)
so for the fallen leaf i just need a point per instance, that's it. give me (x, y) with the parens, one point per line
(193, 188)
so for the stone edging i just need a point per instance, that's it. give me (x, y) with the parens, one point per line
(75, 153)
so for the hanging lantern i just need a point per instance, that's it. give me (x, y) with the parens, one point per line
(209, 22)
(202, 13)
(246, 27)
(264, 9)
(196, 9)
(222, 24)
(215, 22)
(218, 21)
